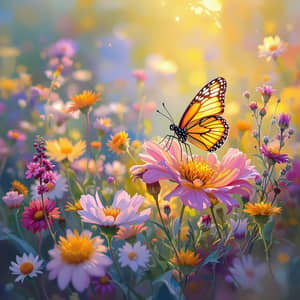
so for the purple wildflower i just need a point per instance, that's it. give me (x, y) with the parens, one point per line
(284, 121)
(272, 153)
(267, 91)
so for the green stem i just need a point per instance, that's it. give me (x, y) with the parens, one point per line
(180, 224)
(215, 221)
(165, 227)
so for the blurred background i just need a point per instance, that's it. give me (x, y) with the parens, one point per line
(180, 44)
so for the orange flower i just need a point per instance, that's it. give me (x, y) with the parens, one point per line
(119, 142)
(19, 187)
(186, 258)
(243, 125)
(83, 101)
(95, 144)
(261, 209)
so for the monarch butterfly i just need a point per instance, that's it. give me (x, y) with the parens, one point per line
(201, 123)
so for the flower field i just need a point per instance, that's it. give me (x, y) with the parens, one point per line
(149, 150)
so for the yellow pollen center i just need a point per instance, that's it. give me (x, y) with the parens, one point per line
(76, 249)
(111, 211)
(104, 280)
(273, 150)
(38, 215)
(66, 149)
(273, 47)
(132, 255)
(197, 172)
(15, 135)
(26, 268)
(50, 186)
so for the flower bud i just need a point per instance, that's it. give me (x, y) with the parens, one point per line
(253, 106)
(265, 173)
(291, 131)
(246, 94)
(263, 112)
(153, 188)
(167, 210)
(205, 220)
(266, 140)
(284, 121)
(258, 180)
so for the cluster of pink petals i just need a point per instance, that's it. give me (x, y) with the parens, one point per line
(13, 199)
(230, 176)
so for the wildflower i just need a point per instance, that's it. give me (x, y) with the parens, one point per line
(261, 209)
(95, 145)
(139, 75)
(83, 101)
(272, 47)
(26, 266)
(293, 175)
(73, 206)
(258, 180)
(88, 165)
(272, 153)
(82, 75)
(76, 258)
(253, 106)
(205, 220)
(283, 257)
(246, 94)
(122, 212)
(63, 149)
(134, 256)
(243, 125)
(246, 274)
(19, 187)
(13, 199)
(41, 169)
(284, 121)
(33, 217)
(186, 258)
(103, 284)
(125, 233)
(62, 48)
(118, 142)
(54, 190)
(238, 228)
(116, 169)
(103, 125)
(16, 135)
(199, 181)
(266, 91)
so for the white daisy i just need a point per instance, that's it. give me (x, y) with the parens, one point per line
(123, 211)
(247, 274)
(26, 265)
(55, 191)
(76, 258)
(134, 256)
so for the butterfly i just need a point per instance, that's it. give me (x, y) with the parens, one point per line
(201, 123)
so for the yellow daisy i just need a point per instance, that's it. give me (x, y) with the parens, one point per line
(83, 101)
(186, 258)
(64, 149)
(118, 142)
(19, 187)
(261, 209)
(73, 206)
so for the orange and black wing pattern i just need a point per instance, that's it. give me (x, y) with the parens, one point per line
(205, 127)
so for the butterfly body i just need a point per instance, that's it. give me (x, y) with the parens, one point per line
(202, 124)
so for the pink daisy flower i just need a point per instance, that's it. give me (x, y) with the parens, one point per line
(33, 217)
(76, 258)
(199, 181)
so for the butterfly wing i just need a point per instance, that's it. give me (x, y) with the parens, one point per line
(209, 101)
(208, 133)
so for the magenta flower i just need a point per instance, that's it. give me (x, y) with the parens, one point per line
(272, 153)
(33, 217)
(103, 284)
(266, 91)
(199, 181)
(139, 75)
(63, 48)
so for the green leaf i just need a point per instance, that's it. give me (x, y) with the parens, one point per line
(21, 245)
(267, 231)
(166, 287)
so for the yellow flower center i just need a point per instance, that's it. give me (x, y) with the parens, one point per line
(197, 172)
(26, 268)
(76, 249)
(50, 186)
(104, 280)
(38, 215)
(132, 255)
(66, 149)
(15, 135)
(273, 47)
(111, 211)
(273, 150)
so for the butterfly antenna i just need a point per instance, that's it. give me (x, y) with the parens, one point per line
(164, 115)
(165, 108)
